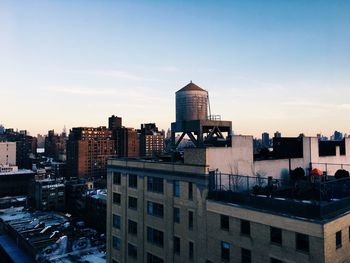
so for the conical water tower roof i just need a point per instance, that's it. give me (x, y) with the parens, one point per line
(191, 86)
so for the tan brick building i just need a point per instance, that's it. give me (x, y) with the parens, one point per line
(168, 212)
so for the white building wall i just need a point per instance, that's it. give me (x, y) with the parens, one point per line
(238, 159)
(8, 153)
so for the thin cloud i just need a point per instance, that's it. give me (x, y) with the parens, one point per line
(120, 74)
(81, 91)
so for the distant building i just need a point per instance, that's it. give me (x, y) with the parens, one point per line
(277, 134)
(151, 140)
(126, 140)
(47, 195)
(8, 153)
(114, 122)
(265, 140)
(55, 146)
(14, 181)
(128, 143)
(88, 150)
(338, 136)
(25, 147)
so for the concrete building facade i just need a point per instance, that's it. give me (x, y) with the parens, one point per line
(8, 153)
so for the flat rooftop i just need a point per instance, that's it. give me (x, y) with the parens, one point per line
(320, 200)
(52, 236)
(157, 165)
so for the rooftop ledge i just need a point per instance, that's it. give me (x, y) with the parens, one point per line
(133, 163)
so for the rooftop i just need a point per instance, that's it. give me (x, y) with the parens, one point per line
(52, 236)
(322, 199)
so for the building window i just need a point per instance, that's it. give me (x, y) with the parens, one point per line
(132, 251)
(133, 180)
(153, 259)
(117, 178)
(116, 243)
(132, 227)
(176, 215)
(190, 250)
(190, 220)
(155, 236)
(116, 198)
(245, 227)
(190, 191)
(302, 242)
(176, 188)
(177, 245)
(116, 221)
(132, 202)
(338, 241)
(225, 251)
(155, 184)
(246, 255)
(276, 235)
(224, 222)
(155, 209)
(275, 260)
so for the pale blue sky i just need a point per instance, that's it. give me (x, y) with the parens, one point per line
(268, 65)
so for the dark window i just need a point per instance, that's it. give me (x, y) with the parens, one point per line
(176, 188)
(117, 178)
(153, 259)
(338, 241)
(133, 180)
(302, 242)
(191, 250)
(155, 209)
(155, 184)
(177, 245)
(190, 219)
(245, 227)
(116, 221)
(276, 235)
(246, 255)
(225, 222)
(275, 260)
(176, 215)
(116, 243)
(155, 236)
(116, 198)
(132, 251)
(190, 191)
(225, 251)
(132, 227)
(132, 202)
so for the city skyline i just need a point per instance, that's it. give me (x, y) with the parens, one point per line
(267, 66)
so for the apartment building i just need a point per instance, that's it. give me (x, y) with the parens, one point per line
(169, 212)
(88, 150)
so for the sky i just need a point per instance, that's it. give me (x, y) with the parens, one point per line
(268, 65)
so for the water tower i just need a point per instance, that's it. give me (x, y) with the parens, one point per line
(194, 119)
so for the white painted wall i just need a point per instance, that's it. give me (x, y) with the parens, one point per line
(8, 153)
(238, 159)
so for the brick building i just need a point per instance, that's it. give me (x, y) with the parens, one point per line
(88, 150)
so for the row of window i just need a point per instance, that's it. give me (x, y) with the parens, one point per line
(155, 237)
(154, 184)
(301, 240)
(155, 209)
